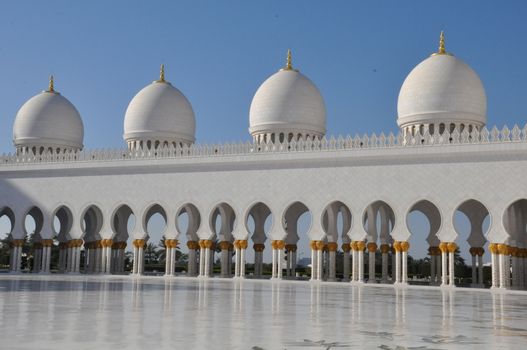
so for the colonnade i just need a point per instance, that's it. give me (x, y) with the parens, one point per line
(509, 263)
(509, 266)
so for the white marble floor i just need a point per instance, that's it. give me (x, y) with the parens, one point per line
(91, 312)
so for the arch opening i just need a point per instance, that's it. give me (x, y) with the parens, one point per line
(91, 223)
(222, 221)
(336, 222)
(471, 221)
(33, 222)
(62, 223)
(378, 221)
(423, 221)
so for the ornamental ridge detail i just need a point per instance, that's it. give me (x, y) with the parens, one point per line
(373, 141)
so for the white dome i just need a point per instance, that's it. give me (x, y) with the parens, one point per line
(49, 120)
(160, 112)
(442, 89)
(288, 102)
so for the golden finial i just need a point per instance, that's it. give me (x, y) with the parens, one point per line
(289, 62)
(51, 86)
(442, 50)
(162, 74)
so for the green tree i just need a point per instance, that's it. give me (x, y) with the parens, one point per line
(151, 254)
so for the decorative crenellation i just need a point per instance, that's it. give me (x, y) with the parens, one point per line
(164, 150)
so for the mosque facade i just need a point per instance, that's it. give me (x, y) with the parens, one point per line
(359, 190)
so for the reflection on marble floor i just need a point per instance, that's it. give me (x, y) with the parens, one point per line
(102, 312)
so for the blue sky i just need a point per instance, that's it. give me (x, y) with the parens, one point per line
(219, 52)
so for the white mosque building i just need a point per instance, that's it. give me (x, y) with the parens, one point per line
(443, 160)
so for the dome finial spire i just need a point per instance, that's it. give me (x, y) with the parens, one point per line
(51, 86)
(441, 50)
(289, 61)
(162, 74)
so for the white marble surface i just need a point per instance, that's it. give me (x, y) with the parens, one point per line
(79, 312)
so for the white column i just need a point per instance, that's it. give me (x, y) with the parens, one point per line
(371, 267)
(394, 264)
(242, 263)
(206, 262)
(451, 273)
(355, 266)
(191, 262)
(494, 260)
(141, 262)
(172, 261)
(237, 261)
(229, 262)
(69, 259)
(42, 258)
(384, 259)
(314, 268)
(507, 270)
(224, 263)
(77, 254)
(361, 266)
(480, 270)
(397, 266)
(293, 263)
(439, 270)
(320, 264)
(274, 272)
(404, 272)
(19, 259)
(501, 258)
(98, 260)
(444, 268)
(474, 272)
(168, 260)
(346, 265)
(135, 268)
(48, 259)
(332, 265)
(279, 262)
(210, 267)
(202, 261)
(102, 268)
(114, 265)
(16, 257)
(109, 264)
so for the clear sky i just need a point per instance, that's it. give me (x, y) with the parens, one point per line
(218, 53)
